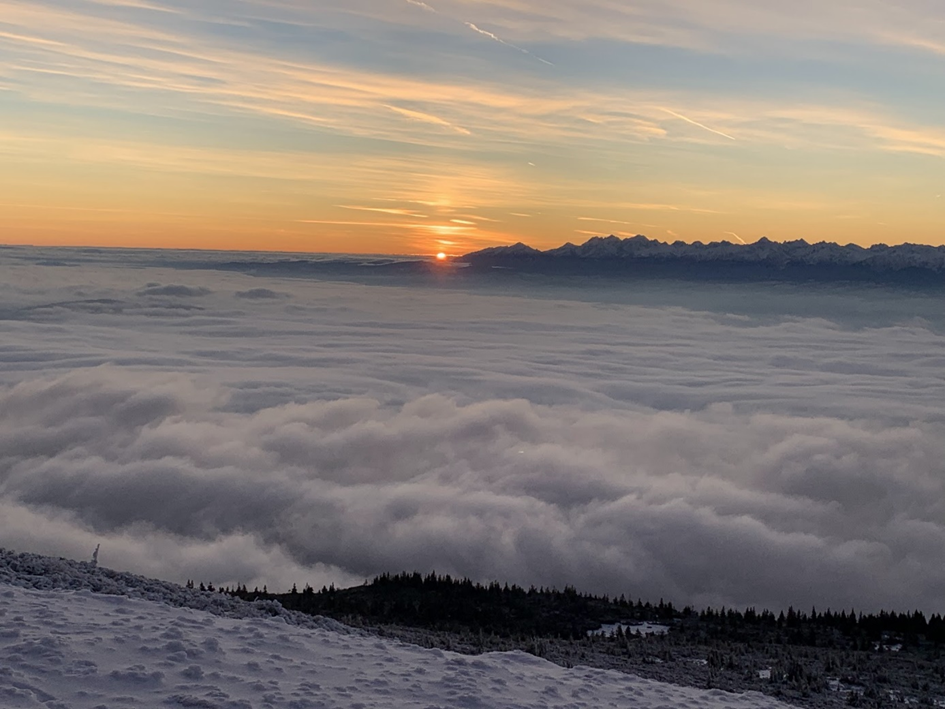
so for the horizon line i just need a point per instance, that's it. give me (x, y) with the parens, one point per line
(433, 253)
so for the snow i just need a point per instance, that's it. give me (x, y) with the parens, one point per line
(85, 650)
(879, 258)
(46, 573)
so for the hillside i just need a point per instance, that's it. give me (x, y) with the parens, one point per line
(816, 658)
(86, 650)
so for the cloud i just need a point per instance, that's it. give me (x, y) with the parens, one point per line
(261, 294)
(427, 118)
(176, 291)
(703, 507)
(399, 119)
(716, 26)
(720, 444)
(387, 210)
(421, 5)
(697, 124)
(397, 90)
(496, 38)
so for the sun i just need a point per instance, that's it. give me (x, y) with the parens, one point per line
(441, 256)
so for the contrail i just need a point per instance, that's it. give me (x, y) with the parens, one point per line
(422, 5)
(732, 233)
(498, 39)
(696, 123)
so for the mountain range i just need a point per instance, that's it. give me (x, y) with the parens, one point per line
(763, 260)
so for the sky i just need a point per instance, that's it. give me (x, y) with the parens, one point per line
(742, 445)
(405, 126)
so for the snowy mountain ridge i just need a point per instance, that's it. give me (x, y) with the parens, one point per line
(76, 649)
(875, 259)
(44, 573)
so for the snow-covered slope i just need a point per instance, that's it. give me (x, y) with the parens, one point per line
(875, 260)
(86, 650)
(48, 574)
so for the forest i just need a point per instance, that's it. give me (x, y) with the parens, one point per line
(811, 658)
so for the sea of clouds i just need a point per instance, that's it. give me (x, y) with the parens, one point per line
(709, 444)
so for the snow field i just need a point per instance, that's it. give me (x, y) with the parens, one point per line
(80, 650)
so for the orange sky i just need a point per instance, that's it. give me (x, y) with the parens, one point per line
(407, 127)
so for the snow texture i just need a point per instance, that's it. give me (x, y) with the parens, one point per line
(83, 650)
(44, 573)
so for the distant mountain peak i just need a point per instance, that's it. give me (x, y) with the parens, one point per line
(764, 259)
(515, 250)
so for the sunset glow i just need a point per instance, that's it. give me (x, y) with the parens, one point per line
(373, 126)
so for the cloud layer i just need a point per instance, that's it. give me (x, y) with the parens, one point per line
(702, 507)
(728, 445)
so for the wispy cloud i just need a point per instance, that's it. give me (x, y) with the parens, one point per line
(382, 210)
(421, 5)
(658, 207)
(404, 95)
(343, 222)
(427, 118)
(604, 221)
(927, 44)
(696, 123)
(709, 26)
(480, 218)
(498, 39)
(490, 35)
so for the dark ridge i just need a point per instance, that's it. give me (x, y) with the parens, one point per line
(459, 605)
(816, 660)
(764, 260)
